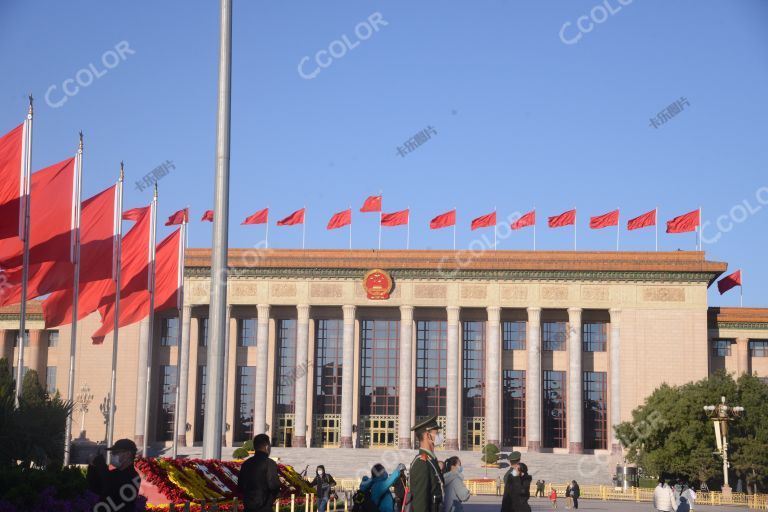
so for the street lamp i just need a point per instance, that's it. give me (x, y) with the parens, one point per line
(720, 415)
(82, 401)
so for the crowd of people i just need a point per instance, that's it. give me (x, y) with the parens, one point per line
(670, 496)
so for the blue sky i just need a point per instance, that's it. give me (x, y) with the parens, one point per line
(522, 117)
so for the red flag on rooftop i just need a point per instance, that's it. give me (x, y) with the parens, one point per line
(529, 219)
(341, 219)
(372, 204)
(260, 217)
(443, 220)
(395, 218)
(180, 217)
(484, 221)
(564, 219)
(642, 221)
(684, 223)
(293, 219)
(207, 216)
(728, 282)
(605, 220)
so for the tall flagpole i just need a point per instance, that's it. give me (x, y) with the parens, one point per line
(381, 207)
(494, 230)
(26, 197)
(151, 318)
(350, 227)
(266, 235)
(75, 257)
(407, 230)
(574, 229)
(534, 229)
(699, 230)
(656, 225)
(304, 228)
(618, 227)
(178, 421)
(214, 402)
(117, 258)
(454, 228)
(741, 291)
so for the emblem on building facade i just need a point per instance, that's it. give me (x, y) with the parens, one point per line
(377, 284)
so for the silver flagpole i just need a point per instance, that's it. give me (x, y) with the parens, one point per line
(574, 229)
(117, 258)
(178, 421)
(454, 229)
(350, 227)
(656, 226)
(214, 404)
(26, 197)
(618, 227)
(304, 228)
(266, 236)
(534, 229)
(408, 230)
(151, 318)
(494, 230)
(75, 257)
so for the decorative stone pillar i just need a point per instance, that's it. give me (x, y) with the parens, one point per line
(575, 383)
(262, 370)
(405, 385)
(533, 382)
(452, 391)
(615, 377)
(347, 376)
(230, 367)
(38, 353)
(141, 382)
(6, 346)
(181, 407)
(300, 377)
(742, 348)
(493, 376)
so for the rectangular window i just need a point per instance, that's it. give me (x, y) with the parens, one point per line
(555, 424)
(720, 348)
(553, 335)
(758, 348)
(329, 344)
(169, 332)
(50, 380)
(286, 371)
(200, 399)
(246, 387)
(202, 331)
(166, 403)
(431, 370)
(53, 338)
(514, 408)
(380, 367)
(15, 335)
(594, 336)
(473, 398)
(514, 335)
(595, 410)
(246, 332)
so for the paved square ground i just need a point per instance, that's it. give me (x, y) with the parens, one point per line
(493, 504)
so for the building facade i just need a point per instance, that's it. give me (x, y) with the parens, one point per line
(539, 351)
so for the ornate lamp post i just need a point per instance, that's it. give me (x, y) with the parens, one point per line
(82, 400)
(720, 415)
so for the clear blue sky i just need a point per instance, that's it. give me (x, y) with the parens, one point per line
(522, 118)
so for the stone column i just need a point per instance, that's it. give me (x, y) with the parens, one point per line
(262, 370)
(230, 371)
(406, 384)
(6, 346)
(347, 376)
(452, 393)
(575, 384)
(493, 376)
(742, 348)
(141, 382)
(615, 377)
(300, 377)
(181, 407)
(533, 382)
(38, 353)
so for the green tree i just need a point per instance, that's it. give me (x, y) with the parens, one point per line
(749, 434)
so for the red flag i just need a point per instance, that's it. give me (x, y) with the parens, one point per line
(180, 217)
(729, 282)
(605, 220)
(395, 218)
(11, 177)
(642, 221)
(484, 221)
(683, 223)
(51, 217)
(372, 204)
(529, 219)
(207, 216)
(260, 217)
(296, 217)
(443, 220)
(564, 219)
(340, 219)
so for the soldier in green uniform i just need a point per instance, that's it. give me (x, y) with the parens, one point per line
(426, 482)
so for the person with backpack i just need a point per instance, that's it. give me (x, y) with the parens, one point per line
(374, 494)
(323, 484)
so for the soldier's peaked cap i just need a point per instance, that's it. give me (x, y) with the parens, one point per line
(427, 424)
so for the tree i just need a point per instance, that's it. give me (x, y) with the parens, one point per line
(490, 454)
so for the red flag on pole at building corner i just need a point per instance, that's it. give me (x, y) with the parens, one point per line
(341, 219)
(182, 216)
(395, 218)
(443, 220)
(207, 216)
(371, 204)
(529, 219)
(684, 223)
(642, 221)
(729, 281)
(260, 217)
(564, 219)
(296, 217)
(484, 221)
(605, 220)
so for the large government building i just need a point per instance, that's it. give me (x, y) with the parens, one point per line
(539, 351)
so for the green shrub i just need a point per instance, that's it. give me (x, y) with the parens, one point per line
(490, 454)
(240, 453)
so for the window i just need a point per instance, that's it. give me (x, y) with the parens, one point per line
(202, 332)
(431, 370)
(758, 348)
(554, 335)
(514, 408)
(53, 338)
(169, 332)
(246, 332)
(720, 348)
(166, 403)
(473, 404)
(595, 410)
(379, 367)
(15, 335)
(246, 387)
(329, 345)
(555, 424)
(594, 336)
(50, 380)
(286, 371)
(514, 335)
(200, 419)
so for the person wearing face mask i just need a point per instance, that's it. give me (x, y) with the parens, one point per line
(517, 486)
(258, 481)
(323, 484)
(426, 482)
(456, 493)
(117, 488)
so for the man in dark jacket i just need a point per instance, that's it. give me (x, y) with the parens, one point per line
(426, 480)
(117, 489)
(517, 486)
(258, 479)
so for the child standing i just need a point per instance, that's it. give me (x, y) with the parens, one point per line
(553, 498)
